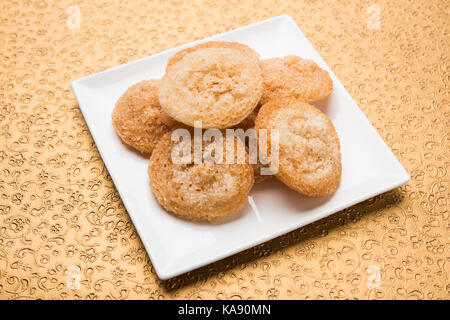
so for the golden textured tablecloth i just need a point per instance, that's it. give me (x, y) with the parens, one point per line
(61, 217)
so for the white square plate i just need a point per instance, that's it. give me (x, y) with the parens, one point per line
(176, 246)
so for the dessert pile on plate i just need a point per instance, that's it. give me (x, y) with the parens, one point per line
(221, 119)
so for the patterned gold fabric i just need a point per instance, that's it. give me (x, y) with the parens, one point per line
(64, 232)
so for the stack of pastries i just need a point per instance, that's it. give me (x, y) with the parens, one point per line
(224, 85)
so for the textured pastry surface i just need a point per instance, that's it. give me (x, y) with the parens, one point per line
(206, 191)
(309, 149)
(138, 118)
(296, 77)
(213, 44)
(217, 86)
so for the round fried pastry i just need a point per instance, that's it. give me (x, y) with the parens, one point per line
(207, 191)
(218, 86)
(309, 150)
(295, 77)
(138, 118)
